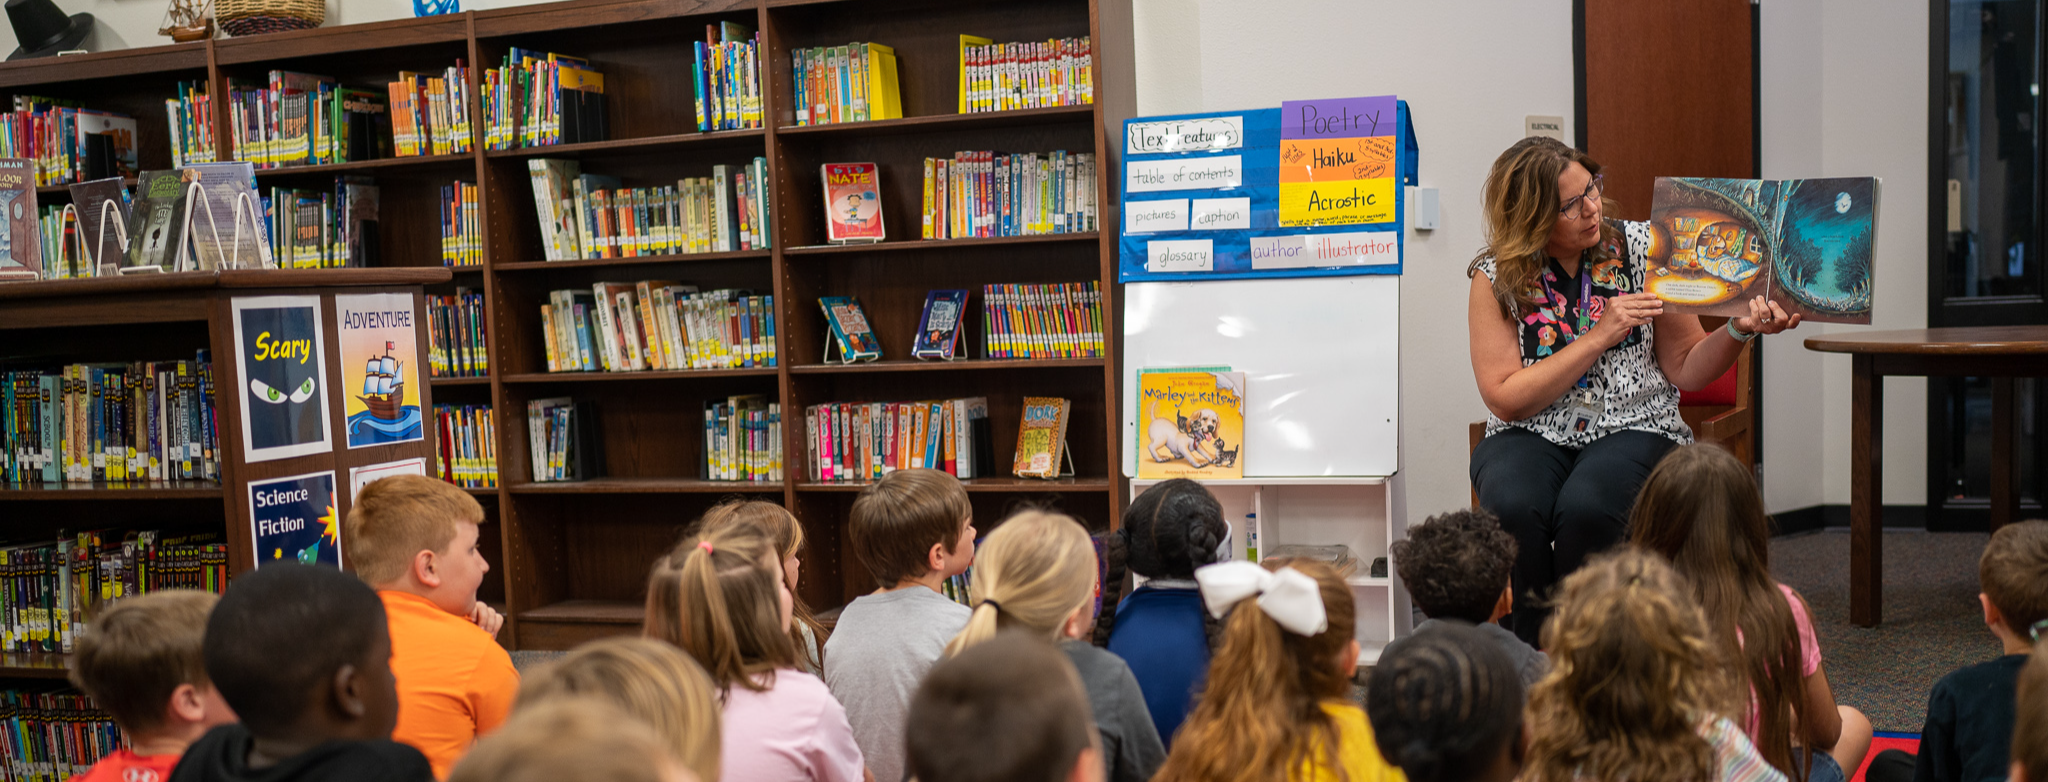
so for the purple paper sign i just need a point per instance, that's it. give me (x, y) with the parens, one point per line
(1337, 118)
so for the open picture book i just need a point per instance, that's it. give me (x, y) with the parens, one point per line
(1803, 243)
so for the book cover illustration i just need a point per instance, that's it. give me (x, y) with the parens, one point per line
(938, 329)
(21, 245)
(1803, 243)
(853, 202)
(106, 144)
(102, 219)
(157, 238)
(1042, 438)
(1193, 425)
(281, 363)
(378, 342)
(294, 520)
(851, 334)
(226, 226)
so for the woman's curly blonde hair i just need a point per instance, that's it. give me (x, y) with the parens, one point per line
(1633, 675)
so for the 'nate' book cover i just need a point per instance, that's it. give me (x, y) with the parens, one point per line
(1191, 424)
(853, 202)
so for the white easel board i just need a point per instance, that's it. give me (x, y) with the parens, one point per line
(1321, 358)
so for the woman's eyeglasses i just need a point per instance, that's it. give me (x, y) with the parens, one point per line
(1576, 208)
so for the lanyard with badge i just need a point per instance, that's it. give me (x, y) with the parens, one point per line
(1585, 400)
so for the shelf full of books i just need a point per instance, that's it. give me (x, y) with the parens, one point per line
(457, 334)
(54, 734)
(726, 75)
(657, 325)
(985, 193)
(110, 423)
(1025, 74)
(591, 216)
(68, 143)
(539, 99)
(856, 82)
(469, 445)
(742, 439)
(859, 442)
(55, 589)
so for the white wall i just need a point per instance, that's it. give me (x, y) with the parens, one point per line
(127, 24)
(1844, 94)
(1469, 79)
(1853, 105)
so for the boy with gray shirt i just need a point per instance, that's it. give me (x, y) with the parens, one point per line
(912, 530)
(1456, 566)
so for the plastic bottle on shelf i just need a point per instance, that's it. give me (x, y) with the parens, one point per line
(1251, 537)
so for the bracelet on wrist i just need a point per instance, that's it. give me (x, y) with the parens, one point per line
(1738, 334)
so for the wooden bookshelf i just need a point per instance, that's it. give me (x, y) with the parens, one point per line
(569, 559)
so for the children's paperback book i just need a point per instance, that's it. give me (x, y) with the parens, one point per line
(1193, 425)
(226, 225)
(21, 244)
(1042, 439)
(158, 235)
(1806, 244)
(851, 335)
(102, 219)
(938, 330)
(853, 203)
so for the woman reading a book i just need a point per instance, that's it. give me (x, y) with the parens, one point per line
(1575, 426)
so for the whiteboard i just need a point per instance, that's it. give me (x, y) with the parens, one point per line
(1321, 359)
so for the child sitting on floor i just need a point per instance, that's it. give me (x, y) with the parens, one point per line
(1278, 706)
(1008, 709)
(141, 662)
(302, 655)
(720, 596)
(912, 530)
(584, 739)
(1446, 706)
(1036, 572)
(651, 681)
(788, 536)
(1456, 566)
(1700, 509)
(414, 539)
(1969, 731)
(1160, 628)
(1638, 689)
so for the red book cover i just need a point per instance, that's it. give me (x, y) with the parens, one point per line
(853, 202)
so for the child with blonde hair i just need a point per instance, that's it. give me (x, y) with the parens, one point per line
(2030, 720)
(651, 681)
(720, 596)
(1700, 509)
(1036, 573)
(1278, 706)
(788, 536)
(585, 739)
(1637, 688)
(141, 662)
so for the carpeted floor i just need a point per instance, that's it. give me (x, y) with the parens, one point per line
(1932, 622)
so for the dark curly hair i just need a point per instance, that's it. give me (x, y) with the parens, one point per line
(1444, 704)
(1168, 531)
(1456, 564)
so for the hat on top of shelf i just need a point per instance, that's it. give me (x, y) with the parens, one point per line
(42, 29)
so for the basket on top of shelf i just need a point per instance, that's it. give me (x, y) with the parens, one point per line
(255, 17)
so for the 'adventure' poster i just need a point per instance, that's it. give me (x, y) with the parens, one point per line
(294, 520)
(283, 376)
(380, 368)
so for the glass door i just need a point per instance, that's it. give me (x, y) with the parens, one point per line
(1986, 235)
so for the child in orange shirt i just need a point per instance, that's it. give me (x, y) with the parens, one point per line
(414, 539)
(141, 662)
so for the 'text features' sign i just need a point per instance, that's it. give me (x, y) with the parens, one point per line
(1185, 135)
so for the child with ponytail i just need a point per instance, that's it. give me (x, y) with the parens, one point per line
(1637, 688)
(1160, 628)
(1036, 572)
(721, 597)
(788, 536)
(1277, 706)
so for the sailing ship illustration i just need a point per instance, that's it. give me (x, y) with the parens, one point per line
(384, 385)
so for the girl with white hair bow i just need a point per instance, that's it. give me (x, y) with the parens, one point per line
(1277, 706)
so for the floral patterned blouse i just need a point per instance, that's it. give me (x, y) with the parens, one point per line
(1635, 394)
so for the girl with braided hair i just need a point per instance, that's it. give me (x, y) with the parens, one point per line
(1638, 689)
(1446, 706)
(1160, 628)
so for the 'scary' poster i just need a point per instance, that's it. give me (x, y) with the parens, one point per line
(282, 371)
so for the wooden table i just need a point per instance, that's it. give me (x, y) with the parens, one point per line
(1997, 352)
